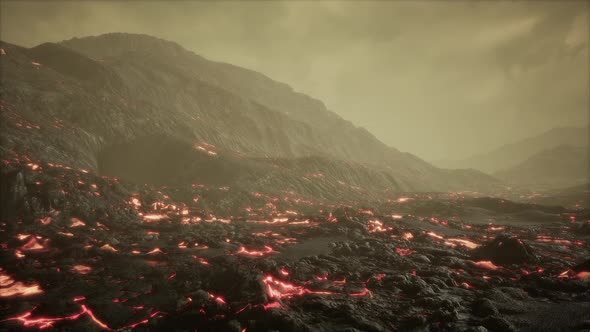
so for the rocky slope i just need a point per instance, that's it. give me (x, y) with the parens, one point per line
(511, 155)
(559, 167)
(74, 103)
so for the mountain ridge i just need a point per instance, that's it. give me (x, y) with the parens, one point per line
(148, 94)
(556, 167)
(511, 154)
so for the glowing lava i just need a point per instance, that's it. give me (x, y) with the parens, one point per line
(81, 269)
(376, 226)
(77, 223)
(277, 289)
(486, 265)
(47, 322)
(404, 251)
(36, 243)
(108, 247)
(10, 287)
(463, 242)
(154, 217)
(434, 235)
(267, 250)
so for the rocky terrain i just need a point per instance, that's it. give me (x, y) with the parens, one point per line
(88, 253)
(146, 188)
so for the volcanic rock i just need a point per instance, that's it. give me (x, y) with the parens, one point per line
(484, 308)
(505, 250)
(498, 324)
(584, 266)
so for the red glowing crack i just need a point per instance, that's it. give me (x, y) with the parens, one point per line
(267, 250)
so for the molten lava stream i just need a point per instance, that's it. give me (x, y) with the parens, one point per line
(12, 288)
(47, 322)
(258, 253)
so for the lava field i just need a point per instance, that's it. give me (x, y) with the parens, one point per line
(83, 252)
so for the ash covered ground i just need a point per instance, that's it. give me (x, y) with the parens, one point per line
(82, 252)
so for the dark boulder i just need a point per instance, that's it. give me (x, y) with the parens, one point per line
(505, 250)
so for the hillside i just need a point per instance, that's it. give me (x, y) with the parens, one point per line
(559, 167)
(77, 102)
(510, 155)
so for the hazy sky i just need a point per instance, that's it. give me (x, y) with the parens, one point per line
(440, 79)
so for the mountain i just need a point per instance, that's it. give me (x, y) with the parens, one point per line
(511, 155)
(149, 111)
(558, 167)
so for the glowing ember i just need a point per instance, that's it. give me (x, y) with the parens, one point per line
(331, 218)
(201, 260)
(362, 293)
(303, 222)
(108, 247)
(376, 226)
(466, 285)
(273, 305)
(154, 217)
(434, 235)
(136, 202)
(584, 275)
(34, 167)
(408, 236)
(548, 239)
(81, 269)
(46, 220)
(22, 236)
(486, 265)
(35, 244)
(155, 251)
(16, 288)
(46, 322)
(463, 242)
(404, 251)
(77, 223)
(218, 299)
(277, 289)
(267, 250)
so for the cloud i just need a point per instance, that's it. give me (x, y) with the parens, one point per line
(440, 79)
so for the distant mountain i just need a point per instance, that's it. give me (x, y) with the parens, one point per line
(511, 155)
(558, 167)
(147, 110)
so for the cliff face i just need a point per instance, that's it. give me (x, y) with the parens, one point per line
(93, 103)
